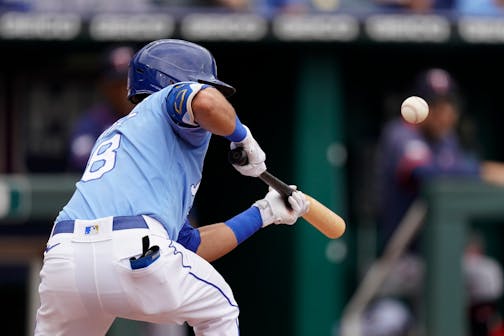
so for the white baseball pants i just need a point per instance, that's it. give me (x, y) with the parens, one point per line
(87, 281)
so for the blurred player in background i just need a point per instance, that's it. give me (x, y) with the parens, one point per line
(123, 245)
(411, 155)
(111, 106)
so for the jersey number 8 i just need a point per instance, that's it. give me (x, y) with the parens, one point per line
(102, 160)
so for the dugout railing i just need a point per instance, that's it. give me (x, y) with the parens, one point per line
(353, 317)
(454, 206)
(444, 216)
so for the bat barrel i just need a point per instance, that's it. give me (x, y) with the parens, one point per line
(324, 219)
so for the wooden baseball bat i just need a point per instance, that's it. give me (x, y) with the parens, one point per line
(318, 215)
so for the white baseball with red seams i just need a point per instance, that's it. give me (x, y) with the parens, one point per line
(414, 109)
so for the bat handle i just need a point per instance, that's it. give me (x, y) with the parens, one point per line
(238, 157)
(282, 188)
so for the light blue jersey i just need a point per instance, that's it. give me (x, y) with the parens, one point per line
(147, 163)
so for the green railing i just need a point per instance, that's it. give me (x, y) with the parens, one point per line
(452, 206)
(40, 196)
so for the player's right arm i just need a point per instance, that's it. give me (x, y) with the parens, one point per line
(213, 112)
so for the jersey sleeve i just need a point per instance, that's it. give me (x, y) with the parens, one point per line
(419, 163)
(414, 154)
(179, 103)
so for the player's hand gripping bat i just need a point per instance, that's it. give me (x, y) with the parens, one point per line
(318, 215)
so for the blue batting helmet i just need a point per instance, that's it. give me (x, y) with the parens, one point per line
(168, 61)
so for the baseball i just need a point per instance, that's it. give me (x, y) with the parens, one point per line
(414, 109)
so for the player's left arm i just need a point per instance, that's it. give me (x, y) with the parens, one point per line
(216, 240)
(210, 242)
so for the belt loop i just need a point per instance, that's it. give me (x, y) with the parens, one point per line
(155, 226)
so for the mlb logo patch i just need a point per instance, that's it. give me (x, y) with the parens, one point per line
(91, 229)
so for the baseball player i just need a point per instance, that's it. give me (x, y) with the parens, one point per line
(122, 246)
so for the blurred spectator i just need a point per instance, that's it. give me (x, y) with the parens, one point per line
(484, 281)
(417, 6)
(207, 4)
(113, 105)
(387, 317)
(410, 155)
(392, 313)
(271, 8)
(235, 5)
(317, 6)
(83, 7)
(480, 7)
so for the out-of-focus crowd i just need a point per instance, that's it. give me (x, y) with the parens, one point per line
(486, 7)
(477, 7)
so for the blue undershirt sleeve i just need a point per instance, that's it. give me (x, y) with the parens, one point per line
(189, 237)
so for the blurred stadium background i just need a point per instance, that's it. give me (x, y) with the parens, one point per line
(316, 80)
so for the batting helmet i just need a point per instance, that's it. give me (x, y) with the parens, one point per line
(167, 61)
